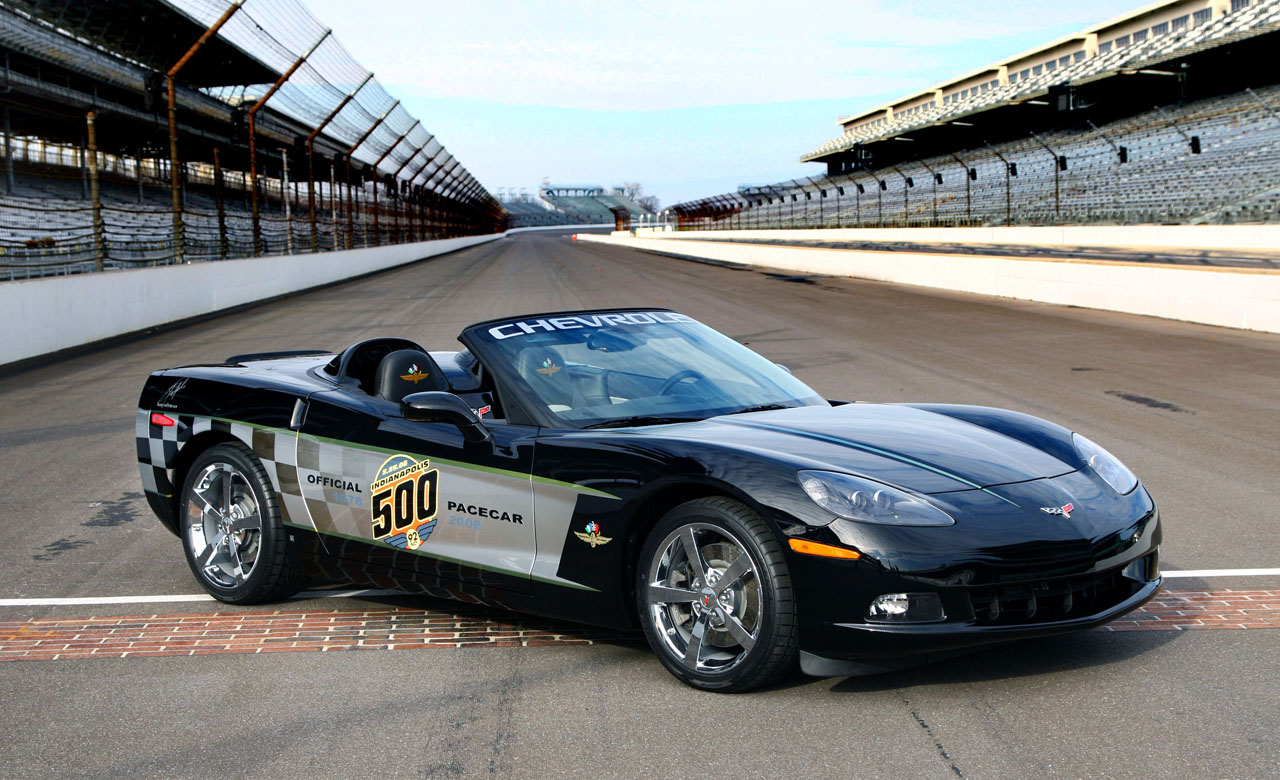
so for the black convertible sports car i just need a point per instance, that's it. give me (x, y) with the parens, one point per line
(632, 468)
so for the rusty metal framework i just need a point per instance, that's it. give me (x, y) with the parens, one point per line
(235, 129)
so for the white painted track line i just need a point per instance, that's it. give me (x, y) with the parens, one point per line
(90, 600)
(1221, 573)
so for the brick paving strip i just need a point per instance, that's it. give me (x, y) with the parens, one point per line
(299, 631)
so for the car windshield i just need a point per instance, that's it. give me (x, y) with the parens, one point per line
(624, 368)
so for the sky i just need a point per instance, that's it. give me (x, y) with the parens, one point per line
(689, 99)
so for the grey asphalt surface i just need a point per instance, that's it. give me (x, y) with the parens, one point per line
(1194, 410)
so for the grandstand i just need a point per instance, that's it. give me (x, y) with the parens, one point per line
(1168, 114)
(528, 212)
(166, 131)
(567, 205)
(590, 205)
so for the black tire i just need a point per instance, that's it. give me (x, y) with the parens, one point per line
(235, 558)
(749, 636)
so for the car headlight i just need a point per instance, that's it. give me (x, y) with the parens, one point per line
(869, 502)
(1107, 466)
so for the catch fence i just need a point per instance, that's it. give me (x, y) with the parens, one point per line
(117, 161)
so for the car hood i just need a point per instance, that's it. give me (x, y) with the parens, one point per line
(900, 445)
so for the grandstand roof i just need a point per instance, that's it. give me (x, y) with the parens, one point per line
(153, 33)
(1070, 37)
(1139, 39)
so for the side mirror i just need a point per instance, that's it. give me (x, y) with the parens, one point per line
(438, 406)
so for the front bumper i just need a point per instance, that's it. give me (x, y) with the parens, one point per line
(1005, 571)
(849, 649)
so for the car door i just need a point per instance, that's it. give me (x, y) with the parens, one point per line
(395, 499)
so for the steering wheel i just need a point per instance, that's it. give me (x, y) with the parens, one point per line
(678, 377)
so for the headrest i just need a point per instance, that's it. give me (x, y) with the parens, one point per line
(407, 371)
(544, 369)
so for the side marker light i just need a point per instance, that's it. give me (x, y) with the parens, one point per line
(825, 550)
(162, 420)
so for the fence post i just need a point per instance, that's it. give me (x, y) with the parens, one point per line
(175, 185)
(311, 197)
(968, 188)
(350, 243)
(936, 177)
(377, 229)
(1008, 178)
(284, 196)
(333, 206)
(880, 188)
(1121, 155)
(217, 199)
(906, 198)
(99, 242)
(84, 166)
(8, 152)
(1058, 162)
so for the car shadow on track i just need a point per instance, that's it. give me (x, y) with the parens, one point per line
(1026, 658)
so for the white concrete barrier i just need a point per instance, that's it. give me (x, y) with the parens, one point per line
(41, 316)
(1235, 298)
(1263, 237)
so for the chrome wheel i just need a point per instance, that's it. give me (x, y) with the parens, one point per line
(704, 598)
(223, 525)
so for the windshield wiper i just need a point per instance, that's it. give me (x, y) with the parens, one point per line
(762, 408)
(627, 422)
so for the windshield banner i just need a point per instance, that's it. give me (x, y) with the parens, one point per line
(574, 322)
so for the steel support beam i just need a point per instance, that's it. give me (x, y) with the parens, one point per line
(175, 167)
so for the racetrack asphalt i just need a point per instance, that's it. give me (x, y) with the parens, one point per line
(1194, 410)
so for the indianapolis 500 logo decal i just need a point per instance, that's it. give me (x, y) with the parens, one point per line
(404, 501)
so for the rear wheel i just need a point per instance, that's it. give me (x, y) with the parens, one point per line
(715, 598)
(231, 530)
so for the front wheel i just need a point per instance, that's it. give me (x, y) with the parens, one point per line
(231, 530)
(715, 598)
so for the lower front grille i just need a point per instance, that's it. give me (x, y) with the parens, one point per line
(1052, 600)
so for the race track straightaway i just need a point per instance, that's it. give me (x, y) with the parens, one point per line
(1194, 410)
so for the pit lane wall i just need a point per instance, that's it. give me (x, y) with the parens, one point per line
(1230, 297)
(43, 316)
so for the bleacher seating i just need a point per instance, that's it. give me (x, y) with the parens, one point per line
(530, 213)
(46, 227)
(1234, 178)
(591, 206)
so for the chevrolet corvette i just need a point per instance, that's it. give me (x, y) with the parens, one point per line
(636, 469)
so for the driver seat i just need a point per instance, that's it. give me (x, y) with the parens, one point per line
(407, 371)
